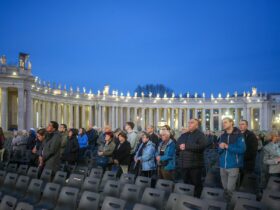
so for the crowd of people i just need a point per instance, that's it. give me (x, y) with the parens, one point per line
(153, 153)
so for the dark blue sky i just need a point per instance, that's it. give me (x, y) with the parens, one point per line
(212, 46)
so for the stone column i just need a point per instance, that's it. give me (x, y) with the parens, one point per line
(117, 116)
(77, 116)
(20, 109)
(236, 117)
(261, 121)
(4, 108)
(99, 116)
(172, 118)
(220, 119)
(65, 120)
(195, 113)
(113, 118)
(135, 115)
(150, 116)
(157, 117)
(58, 113)
(249, 117)
(83, 116)
(90, 115)
(143, 118)
(44, 114)
(128, 114)
(203, 119)
(122, 123)
(71, 121)
(53, 111)
(211, 120)
(165, 114)
(29, 110)
(179, 118)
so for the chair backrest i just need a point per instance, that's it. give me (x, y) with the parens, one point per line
(81, 170)
(8, 203)
(10, 181)
(127, 179)
(142, 207)
(24, 206)
(33, 192)
(184, 189)
(96, 173)
(67, 198)
(22, 169)
(112, 188)
(216, 205)
(11, 167)
(241, 195)
(271, 199)
(33, 172)
(212, 193)
(91, 184)
(89, 201)
(108, 175)
(46, 175)
(166, 185)
(131, 193)
(75, 180)
(111, 203)
(189, 202)
(2, 177)
(60, 177)
(143, 181)
(171, 202)
(153, 197)
(249, 183)
(22, 185)
(50, 193)
(273, 183)
(243, 204)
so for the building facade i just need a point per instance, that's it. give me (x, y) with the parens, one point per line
(27, 102)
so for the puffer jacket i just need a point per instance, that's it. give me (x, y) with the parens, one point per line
(192, 156)
(169, 155)
(148, 156)
(233, 157)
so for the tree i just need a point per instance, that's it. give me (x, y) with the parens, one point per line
(154, 89)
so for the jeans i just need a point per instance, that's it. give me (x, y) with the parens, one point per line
(229, 178)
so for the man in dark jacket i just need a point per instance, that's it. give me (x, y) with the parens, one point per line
(51, 149)
(191, 146)
(251, 147)
(153, 137)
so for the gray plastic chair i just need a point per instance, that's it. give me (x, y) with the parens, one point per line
(67, 199)
(166, 185)
(75, 180)
(241, 195)
(91, 184)
(33, 172)
(273, 184)
(60, 177)
(271, 199)
(131, 193)
(212, 194)
(184, 189)
(171, 202)
(33, 192)
(22, 169)
(108, 175)
(189, 202)
(111, 203)
(216, 205)
(21, 186)
(127, 179)
(24, 206)
(9, 183)
(8, 203)
(46, 175)
(89, 201)
(111, 188)
(243, 204)
(143, 182)
(153, 197)
(143, 207)
(12, 168)
(96, 173)
(49, 197)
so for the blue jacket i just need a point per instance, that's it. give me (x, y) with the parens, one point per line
(169, 155)
(83, 141)
(148, 156)
(233, 156)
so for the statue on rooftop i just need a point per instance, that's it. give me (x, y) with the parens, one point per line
(3, 60)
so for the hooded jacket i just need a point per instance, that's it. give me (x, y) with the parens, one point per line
(233, 157)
